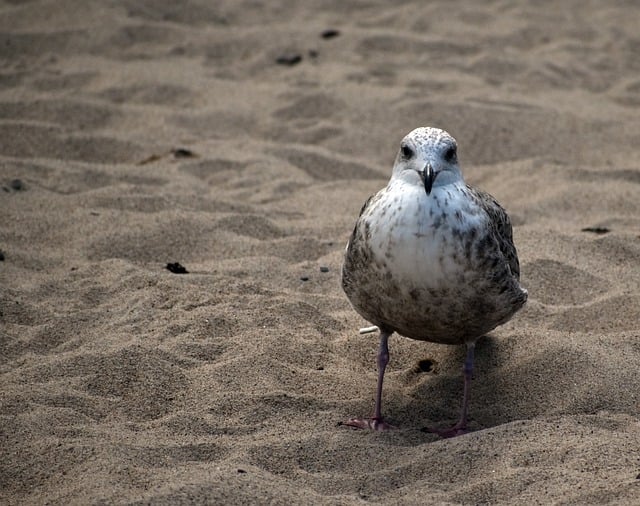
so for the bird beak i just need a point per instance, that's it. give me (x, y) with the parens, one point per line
(429, 177)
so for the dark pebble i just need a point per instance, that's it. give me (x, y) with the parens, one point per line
(425, 365)
(320, 368)
(176, 268)
(304, 278)
(183, 153)
(324, 269)
(1, 256)
(17, 185)
(289, 59)
(596, 230)
(330, 33)
(241, 471)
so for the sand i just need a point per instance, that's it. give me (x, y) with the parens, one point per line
(134, 134)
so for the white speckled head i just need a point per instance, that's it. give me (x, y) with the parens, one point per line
(427, 146)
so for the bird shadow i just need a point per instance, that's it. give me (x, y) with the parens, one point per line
(435, 391)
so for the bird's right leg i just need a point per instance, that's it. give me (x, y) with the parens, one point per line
(376, 422)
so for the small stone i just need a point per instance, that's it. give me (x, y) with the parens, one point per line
(289, 59)
(425, 365)
(596, 230)
(17, 185)
(176, 268)
(330, 33)
(304, 278)
(324, 268)
(183, 153)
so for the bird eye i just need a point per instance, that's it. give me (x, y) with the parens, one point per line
(407, 152)
(450, 154)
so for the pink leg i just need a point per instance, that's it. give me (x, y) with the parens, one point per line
(460, 427)
(376, 422)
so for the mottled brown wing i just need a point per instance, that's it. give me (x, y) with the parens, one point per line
(501, 224)
(356, 252)
(362, 209)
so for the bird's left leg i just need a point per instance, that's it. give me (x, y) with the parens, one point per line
(461, 427)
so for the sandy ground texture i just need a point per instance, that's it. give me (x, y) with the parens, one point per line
(240, 139)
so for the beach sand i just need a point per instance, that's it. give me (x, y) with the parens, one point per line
(240, 139)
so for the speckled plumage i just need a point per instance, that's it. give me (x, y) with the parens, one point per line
(436, 265)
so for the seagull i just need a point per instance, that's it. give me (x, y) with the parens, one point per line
(431, 258)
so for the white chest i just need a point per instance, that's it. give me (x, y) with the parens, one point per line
(421, 238)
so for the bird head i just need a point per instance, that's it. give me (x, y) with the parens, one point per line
(428, 157)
